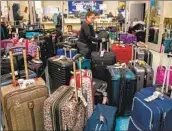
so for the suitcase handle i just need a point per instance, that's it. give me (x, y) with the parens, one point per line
(12, 63)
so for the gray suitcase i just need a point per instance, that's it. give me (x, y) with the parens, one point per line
(140, 54)
(149, 75)
(140, 74)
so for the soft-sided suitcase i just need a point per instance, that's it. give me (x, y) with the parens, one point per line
(123, 53)
(154, 115)
(23, 107)
(63, 110)
(100, 91)
(121, 88)
(59, 72)
(99, 63)
(102, 119)
(84, 83)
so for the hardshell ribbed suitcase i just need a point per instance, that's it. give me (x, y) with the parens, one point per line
(148, 56)
(121, 88)
(150, 116)
(59, 72)
(140, 74)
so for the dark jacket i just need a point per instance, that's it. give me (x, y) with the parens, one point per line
(86, 37)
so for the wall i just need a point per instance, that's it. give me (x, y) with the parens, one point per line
(168, 9)
(112, 6)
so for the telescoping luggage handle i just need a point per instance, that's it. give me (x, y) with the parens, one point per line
(67, 48)
(74, 73)
(12, 62)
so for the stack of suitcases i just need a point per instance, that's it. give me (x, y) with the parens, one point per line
(58, 89)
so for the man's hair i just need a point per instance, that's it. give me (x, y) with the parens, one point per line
(89, 14)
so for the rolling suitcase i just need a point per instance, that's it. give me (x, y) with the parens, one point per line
(84, 83)
(152, 115)
(63, 110)
(139, 72)
(59, 71)
(23, 105)
(100, 91)
(148, 57)
(102, 119)
(123, 53)
(121, 88)
(99, 63)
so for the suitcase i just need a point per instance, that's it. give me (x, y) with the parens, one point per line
(148, 56)
(139, 72)
(100, 91)
(154, 115)
(121, 88)
(167, 44)
(69, 52)
(139, 53)
(123, 53)
(130, 38)
(59, 72)
(84, 78)
(99, 63)
(102, 119)
(149, 75)
(63, 111)
(26, 103)
(85, 63)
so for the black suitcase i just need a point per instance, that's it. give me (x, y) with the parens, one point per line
(100, 90)
(59, 72)
(148, 57)
(99, 63)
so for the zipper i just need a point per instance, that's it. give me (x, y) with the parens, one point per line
(31, 108)
(138, 128)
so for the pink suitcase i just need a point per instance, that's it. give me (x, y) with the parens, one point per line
(161, 71)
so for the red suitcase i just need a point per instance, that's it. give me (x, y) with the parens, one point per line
(123, 53)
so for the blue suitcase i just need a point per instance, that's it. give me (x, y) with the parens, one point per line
(102, 119)
(121, 89)
(167, 44)
(61, 51)
(150, 116)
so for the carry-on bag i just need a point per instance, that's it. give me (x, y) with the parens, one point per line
(59, 71)
(99, 62)
(100, 92)
(121, 88)
(102, 119)
(23, 104)
(84, 83)
(123, 53)
(85, 63)
(151, 111)
(63, 110)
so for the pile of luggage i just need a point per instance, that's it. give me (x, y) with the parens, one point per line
(76, 93)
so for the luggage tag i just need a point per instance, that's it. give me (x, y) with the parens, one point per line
(82, 98)
(24, 83)
(155, 95)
